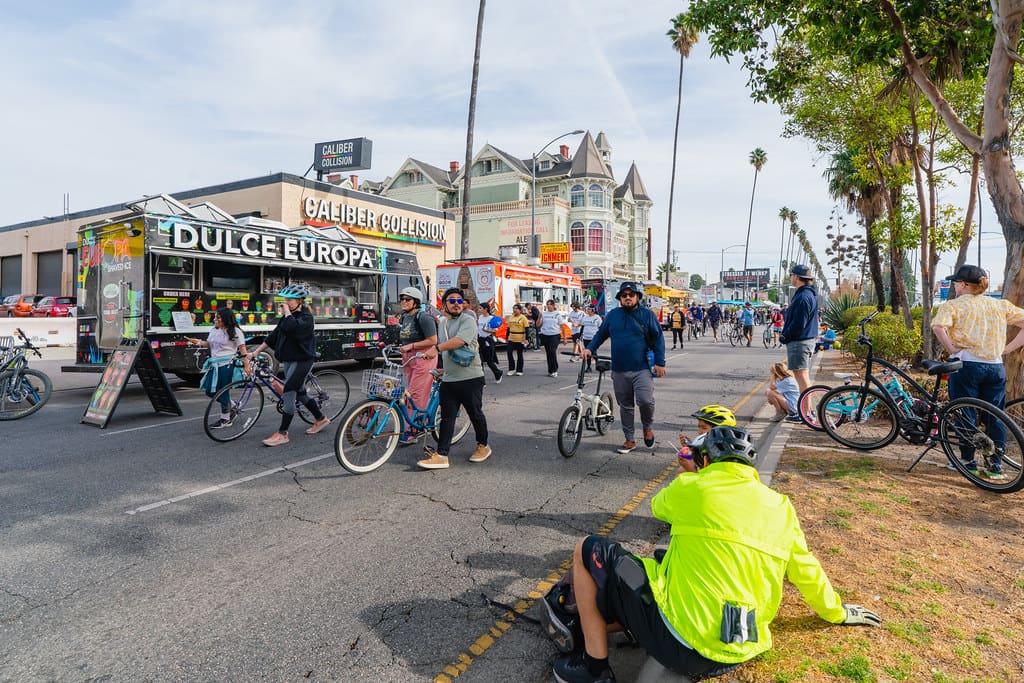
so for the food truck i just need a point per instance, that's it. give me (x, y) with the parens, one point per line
(504, 284)
(162, 270)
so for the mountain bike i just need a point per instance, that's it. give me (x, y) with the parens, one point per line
(370, 433)
(328, 388)
(591, 411)
(734, 332)
(976, 436)
(23, 390)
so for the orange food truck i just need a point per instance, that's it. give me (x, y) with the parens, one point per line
(504, 285)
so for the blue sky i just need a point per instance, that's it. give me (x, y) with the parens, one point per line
(110, 101)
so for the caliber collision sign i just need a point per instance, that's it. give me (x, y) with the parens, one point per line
(342, 155)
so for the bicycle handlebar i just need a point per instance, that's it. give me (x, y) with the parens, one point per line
(387, 352)
(863, 339)
(28, 342)
(593, 356)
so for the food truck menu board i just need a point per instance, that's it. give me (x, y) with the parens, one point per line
(130, 355)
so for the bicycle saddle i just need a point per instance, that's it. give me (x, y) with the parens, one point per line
(604, 365)
(935, 367)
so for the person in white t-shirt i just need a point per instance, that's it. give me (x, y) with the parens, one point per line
(551, 321)
(224, 341)
(485, 337)
(576, 329)
(589, 324)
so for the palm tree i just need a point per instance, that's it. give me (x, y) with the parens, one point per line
(784, 215)
(466, 174)
(683, 37)
(758, 158)
(665, 270)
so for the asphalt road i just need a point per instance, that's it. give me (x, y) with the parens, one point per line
(307, 572)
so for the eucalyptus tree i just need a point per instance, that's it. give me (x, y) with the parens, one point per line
(683, 37)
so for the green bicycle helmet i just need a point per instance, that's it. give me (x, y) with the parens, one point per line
(730, 444)
(716, 415)
(294, 292)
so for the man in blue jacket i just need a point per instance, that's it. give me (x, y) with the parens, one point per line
(633, 329)
(800, 331)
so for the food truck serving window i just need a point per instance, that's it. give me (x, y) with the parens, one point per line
(339, 295)
(175, 272)
(532, 295)
(231, 276)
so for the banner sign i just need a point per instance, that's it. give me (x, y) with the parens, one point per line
(342, 155)
(555, 252)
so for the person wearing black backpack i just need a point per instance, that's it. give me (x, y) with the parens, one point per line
(418, 333)
(634, 331)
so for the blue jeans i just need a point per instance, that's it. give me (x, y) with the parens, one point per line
(986, 381)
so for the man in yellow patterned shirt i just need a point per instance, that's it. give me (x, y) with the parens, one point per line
(972, 327)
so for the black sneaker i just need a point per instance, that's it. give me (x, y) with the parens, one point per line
(794, 418)
(222, 423)
(574, 670)
(497, 380)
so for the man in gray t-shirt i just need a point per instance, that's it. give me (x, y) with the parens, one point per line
(461, 386)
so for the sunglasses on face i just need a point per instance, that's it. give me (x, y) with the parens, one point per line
(455, 301)
(404, 298)
(629, 294)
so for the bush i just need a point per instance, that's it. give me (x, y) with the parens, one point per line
(891, 338)
(852, 316)
(834, 309)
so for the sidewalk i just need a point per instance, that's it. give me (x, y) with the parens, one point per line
(770, 439)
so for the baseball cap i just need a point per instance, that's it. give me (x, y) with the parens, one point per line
(968, 273)
(801, 271)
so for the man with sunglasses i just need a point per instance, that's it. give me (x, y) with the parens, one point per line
(461, 385)
(633, 329)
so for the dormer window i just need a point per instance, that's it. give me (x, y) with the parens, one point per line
(492, 166)
(415, 177)
(545, 164)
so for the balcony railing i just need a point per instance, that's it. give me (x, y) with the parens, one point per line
(510, 207)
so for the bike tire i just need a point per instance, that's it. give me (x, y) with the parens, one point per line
(807, 405)
(734, 336)
(766, 338)
(960, 432)
(602, 420)
(570, 431)
(367, 437)
(332, 396)
(462, 425)
(23, 392)
(245, 411)
(858, 417)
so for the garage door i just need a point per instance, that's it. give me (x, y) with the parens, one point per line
(48, 271)
(10, 275)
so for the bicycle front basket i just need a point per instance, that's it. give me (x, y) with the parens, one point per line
(385, 383)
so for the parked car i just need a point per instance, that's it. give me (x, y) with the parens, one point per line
(7, 305)
(19, 305)
(55, 307)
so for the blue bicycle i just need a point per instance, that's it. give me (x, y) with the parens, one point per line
(370, 433)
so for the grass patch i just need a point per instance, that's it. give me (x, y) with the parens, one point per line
(855, 668)
(873, 508)
(902, 669)
(968, 655)
(984, 639)
(912, 632)
(933, 586)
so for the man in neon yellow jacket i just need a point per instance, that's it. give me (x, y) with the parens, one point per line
(707, 606)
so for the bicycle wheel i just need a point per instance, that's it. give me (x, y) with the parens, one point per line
(969, 431)
(734, 336)
(23, 392)
(605, 413)
(367, 437)
(462, 425)
(330, 390)
(807, 404)
(858, 417)
(570, 431)
(246, 408)
(766, 338)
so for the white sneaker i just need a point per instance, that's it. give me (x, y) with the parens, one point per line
(552, 374)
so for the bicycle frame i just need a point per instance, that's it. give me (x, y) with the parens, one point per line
(593, 401)
(420, 418)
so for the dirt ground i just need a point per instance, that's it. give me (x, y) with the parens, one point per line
(940, 560)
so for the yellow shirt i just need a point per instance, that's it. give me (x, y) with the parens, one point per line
(977, 324)
(517, 327)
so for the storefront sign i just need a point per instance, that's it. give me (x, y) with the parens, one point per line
(365, 221)
(555, 252)
(261, 245)
(342, 155)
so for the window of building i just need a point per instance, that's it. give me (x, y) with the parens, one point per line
(492, 166)
(415, 177)
(598, 238)
(578, 237)
(544, 165)
(577, 196)
(596, 196)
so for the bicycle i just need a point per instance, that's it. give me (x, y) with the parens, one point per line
(870, 415)
(598, 414)
(370, 433)
(735, 332)
(328, 388)
(23, 390)
(810, 398)
(767, 337)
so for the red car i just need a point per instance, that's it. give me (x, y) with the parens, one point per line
(55, 307)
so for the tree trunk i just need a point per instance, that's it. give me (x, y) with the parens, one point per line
(466, 174)
(875, 264)
(972, 201)
(672, 182)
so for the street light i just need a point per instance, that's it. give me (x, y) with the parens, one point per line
(533, 193)
(722, 269)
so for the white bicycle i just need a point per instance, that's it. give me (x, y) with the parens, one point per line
(590, 411)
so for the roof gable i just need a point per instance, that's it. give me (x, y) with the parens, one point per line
(588, 163)
(635, 184)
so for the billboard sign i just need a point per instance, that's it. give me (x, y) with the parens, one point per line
(342, 155)
(555, 252)
(751, 278)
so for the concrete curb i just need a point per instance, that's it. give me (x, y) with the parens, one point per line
(770, 439)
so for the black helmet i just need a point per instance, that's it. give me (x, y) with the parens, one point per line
(449, 291)
(730, 444)
(630, 286)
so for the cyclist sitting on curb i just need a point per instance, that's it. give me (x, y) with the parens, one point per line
(634, 330)
(295, 346)
(418, 333)
(707, 606)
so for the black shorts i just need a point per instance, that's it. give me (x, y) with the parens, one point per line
(748, 329)
(577, 336)
(624, 597)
